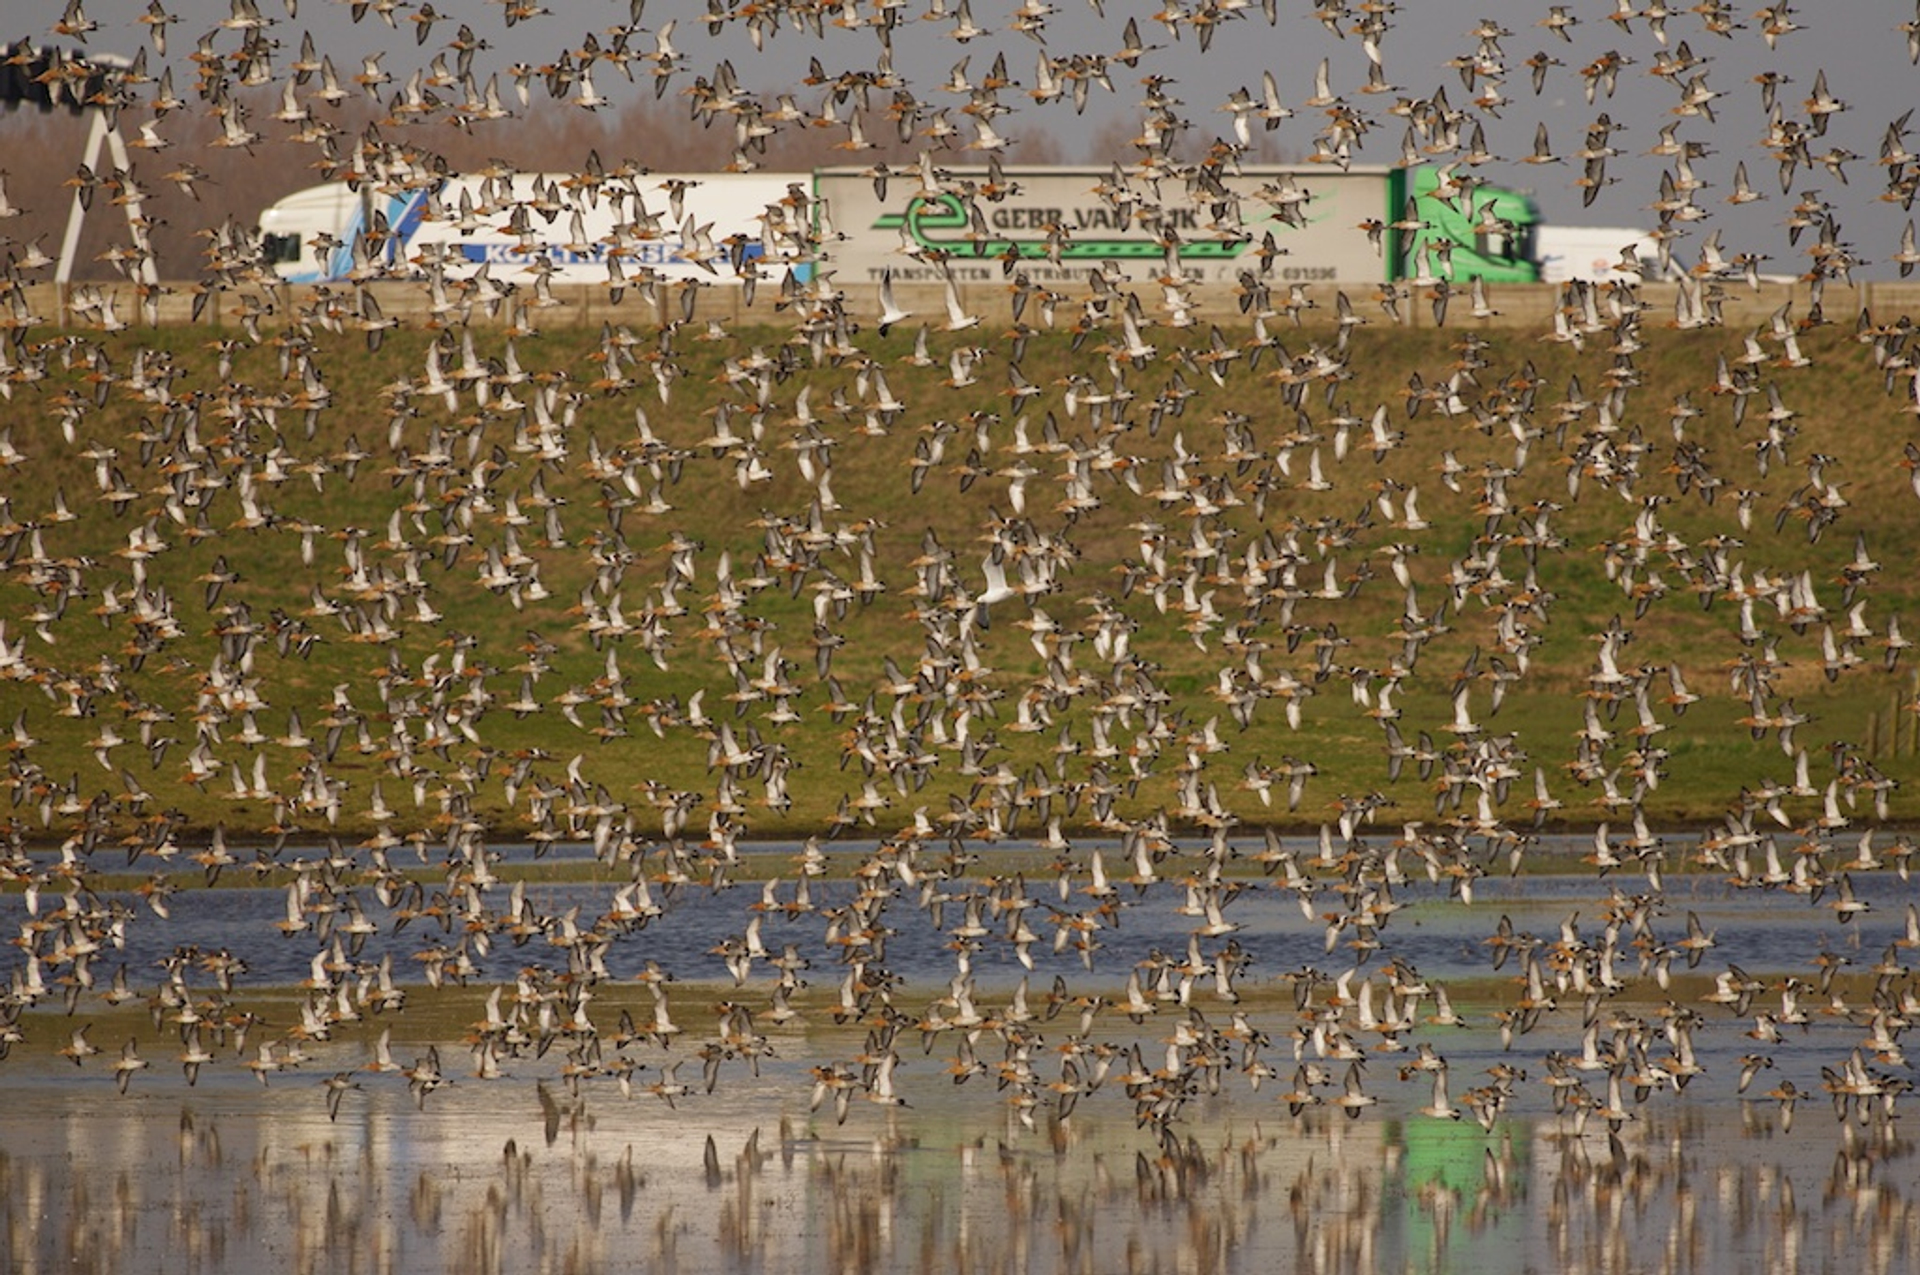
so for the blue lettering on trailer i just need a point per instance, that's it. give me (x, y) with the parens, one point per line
(512, 254)
(403, 219)
(657, 252)
(340, 261)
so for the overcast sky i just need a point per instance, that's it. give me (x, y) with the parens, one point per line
(1858, 44)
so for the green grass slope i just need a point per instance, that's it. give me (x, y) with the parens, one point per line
(206, 539)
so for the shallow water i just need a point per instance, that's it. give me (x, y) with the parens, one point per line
(1764, 931)
(536, 1170)
(230, 1177)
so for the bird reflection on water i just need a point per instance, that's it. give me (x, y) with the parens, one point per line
(224, 1182)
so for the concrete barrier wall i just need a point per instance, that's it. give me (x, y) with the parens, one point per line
(1524, 306)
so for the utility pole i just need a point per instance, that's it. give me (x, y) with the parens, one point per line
(87, 85)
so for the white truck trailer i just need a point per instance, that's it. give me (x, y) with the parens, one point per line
(679, 225)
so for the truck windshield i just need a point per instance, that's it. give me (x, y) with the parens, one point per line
(280, 248)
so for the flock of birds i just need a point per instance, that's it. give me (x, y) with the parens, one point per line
(478, 450)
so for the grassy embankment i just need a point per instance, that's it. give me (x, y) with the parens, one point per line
(1843, 412)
